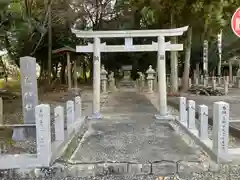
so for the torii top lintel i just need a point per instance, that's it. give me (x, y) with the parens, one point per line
(130, 33)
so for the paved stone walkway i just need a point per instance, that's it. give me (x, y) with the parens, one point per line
(129, 134)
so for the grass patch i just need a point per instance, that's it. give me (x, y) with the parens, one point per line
(11, 85)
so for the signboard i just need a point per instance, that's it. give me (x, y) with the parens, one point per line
(205, 57)
(219, 40)
(235, 23)
(127, 67)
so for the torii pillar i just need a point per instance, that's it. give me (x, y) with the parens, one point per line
(96, 77)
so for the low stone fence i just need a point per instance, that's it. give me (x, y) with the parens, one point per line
(217, 147)
(52, 138)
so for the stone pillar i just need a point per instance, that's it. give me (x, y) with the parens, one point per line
(43, 131)
(230, 72)
(195, 77)
(162, 88)
(168, 81)
(203, 119)
(182, 111)
(234, 80)
(96, 77)
(156, 82)
(226, 83)
(219, 81)
(220, 133)
(59, 123)
(78, 108)
(143, 81)
(29, 91)
(112, 82)
(197, 70)
(201, 79)
(222, 81)
(205, 81)
(70, 115)
(214, 86)
(69, 73)
(150, 78)
(180, 81)
(104, 79)
(189, 82)
(140, 81)
(191, 115)
(238, 82)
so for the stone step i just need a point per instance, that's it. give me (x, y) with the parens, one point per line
(64, 169)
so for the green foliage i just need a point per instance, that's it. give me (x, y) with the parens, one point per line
(24, 28)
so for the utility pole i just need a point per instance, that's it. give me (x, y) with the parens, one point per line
(50, 43)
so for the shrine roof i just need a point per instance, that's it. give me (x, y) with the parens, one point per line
(65, 49)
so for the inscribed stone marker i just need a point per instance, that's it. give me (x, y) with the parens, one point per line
(220, 129)
(29, 88)
(42, 115)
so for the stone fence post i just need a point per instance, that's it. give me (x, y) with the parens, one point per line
(201, 79)
(183, 111)
(203, 119)
(226, 84)
(150, 77)
(104, 79)
(205, 81)
(214, 85)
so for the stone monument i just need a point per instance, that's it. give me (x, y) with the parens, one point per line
(29, 91)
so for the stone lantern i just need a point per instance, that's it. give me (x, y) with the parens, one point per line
(150, 77)
(104, 79)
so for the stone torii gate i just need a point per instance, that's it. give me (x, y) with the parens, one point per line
(161, 46)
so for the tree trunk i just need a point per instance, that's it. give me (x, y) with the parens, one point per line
(62, 72)
(85, 71)
(186, 72)
(54, 71)
(50, 44)
(174, 62)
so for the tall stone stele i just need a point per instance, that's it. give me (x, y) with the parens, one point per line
(150, 77)
(112, 82)
(104, 79)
